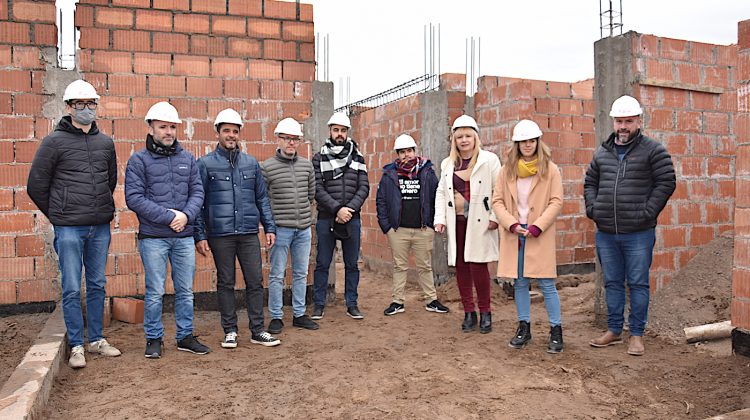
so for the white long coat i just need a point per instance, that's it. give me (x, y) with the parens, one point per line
(481, 243)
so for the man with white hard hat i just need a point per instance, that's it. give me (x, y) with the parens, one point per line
(341, 188)
(291, 187)
(163, 188)
(627, 185)
(236, 204)
(71, 181)
(406, 209)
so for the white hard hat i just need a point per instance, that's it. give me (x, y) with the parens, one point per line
(228, 116)
(526, 130)
(163, 111)
(339, 118)
(79, 89)
(625, 106)
(465, 121)
(404, 141)
(288, 126)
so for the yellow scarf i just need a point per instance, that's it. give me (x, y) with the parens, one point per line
(526, 169)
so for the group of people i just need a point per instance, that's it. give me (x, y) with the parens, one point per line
(216, 205)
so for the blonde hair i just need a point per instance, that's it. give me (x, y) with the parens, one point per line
(456, 157)
(543, 155)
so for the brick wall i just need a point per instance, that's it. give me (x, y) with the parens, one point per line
(256, 56)
(565, 113)
(741, 274)
(688, 92)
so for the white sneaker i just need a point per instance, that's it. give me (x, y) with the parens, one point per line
(104, 348)
(230, 340)
(77, 359)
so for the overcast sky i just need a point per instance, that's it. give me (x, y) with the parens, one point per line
(379, 44)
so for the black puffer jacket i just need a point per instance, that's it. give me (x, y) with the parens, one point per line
(627, 196)
(349, 190)
(73, 176)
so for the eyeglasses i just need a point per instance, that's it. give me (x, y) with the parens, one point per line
(81, 105)
(292, 139)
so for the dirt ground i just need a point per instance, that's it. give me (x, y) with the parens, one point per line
(17, 334)
(413, 365)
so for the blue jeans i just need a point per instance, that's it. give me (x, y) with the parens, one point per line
(523, 299)
(350, 248)
(626, 257)
(299, 242)
(180, 252)
(78, 247)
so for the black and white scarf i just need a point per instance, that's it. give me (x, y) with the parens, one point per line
(334, 159)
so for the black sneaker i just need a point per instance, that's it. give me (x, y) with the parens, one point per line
(305, 322)
(522, 337)
(436, 306)
(318, 312)
(275, 326)
(394, 309)
(555, 344)
(264, 339)
(354, 312)
(230, 340)
(153, 348)
(192, 345)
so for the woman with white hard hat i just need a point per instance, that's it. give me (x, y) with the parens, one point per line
(463, 211)
(527, 199)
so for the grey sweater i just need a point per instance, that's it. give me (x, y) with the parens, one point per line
(291, 188)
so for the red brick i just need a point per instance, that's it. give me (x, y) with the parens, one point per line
(129, 130)
(688, 121)
(742, 185)
(717, 212)
(166, 86)
(244, 47)
(203, 87)
(298, 31)
(172, 4)
(190, 65)
(22, 199)
(153, 63)
(229, 67)
(14, 175)
(307, 52)
(141, 106)
(191, 23)
(263, 28)
(36, 291)
(246, 7)
(27, 104)
(297, 110)
(559, 89)
(45, 35)
(299, 71)
(122, 242)
(280, 10)
(7, 292)
(743, 37)
(740, 285)
(703, 100)
(306, 12)
(688, 73)
(675, 49)
(16, 128)
(25, 151)
(94, 38)
(131, 40)
(716, 123)
(691, 166)
(27, 58)
(719, 166)
(85, 58)
(128, 310)
(84, 16)
(702, 53)
(113, 62)
(191, 108)
(205, 45)
(689, 213)
(114, 106)
(716, 76)
(16, 222)
(121, 285)
(210, 6)
(127, 84)
(674, 98)
(114, 18)
(29, 246)
(15, 33)
(7, 155)
(170, 43)
(132, 3)
(571, 106)
(154, 20)
(278, 50)
(647, 46)
(216, 106)
(277, 90)
(25, 11)
(228, 25)
(6, 56)
(250, 89)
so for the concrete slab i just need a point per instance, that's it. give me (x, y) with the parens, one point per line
(27, 390)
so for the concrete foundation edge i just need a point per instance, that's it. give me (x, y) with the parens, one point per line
(25, 394)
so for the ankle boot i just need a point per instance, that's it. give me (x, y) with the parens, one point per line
(470, 322)
(485, 322)
(523, 335)
(555, 340)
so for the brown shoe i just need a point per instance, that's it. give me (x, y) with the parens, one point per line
(635, 346)
(608, 339)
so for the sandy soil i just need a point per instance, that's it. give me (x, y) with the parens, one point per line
(17, 334)
(413, 365)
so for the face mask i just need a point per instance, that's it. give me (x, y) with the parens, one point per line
(85, 116)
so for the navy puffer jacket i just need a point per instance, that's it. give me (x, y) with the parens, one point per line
(388, 198)
(236, 196)
(626, 196)
(156, 183)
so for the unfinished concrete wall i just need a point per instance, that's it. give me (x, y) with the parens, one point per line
(256, 56)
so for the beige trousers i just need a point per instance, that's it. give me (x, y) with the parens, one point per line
(419, 242)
